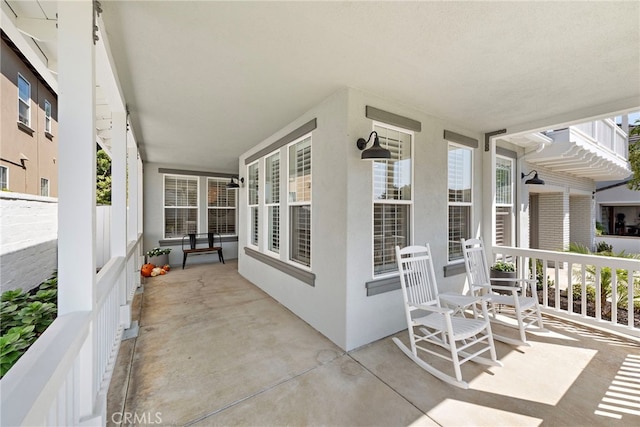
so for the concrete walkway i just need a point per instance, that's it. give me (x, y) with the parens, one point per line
(213, 349)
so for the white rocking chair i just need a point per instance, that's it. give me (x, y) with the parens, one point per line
(524, 309)
(439, 325)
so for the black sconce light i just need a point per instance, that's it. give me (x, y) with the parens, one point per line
(233, 184)
(375, 152)
(535, 180)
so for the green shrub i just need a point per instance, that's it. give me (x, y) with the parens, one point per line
(23, 318)
(604, 247)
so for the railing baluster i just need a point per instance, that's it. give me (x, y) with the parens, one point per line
(569, 288)
(545, 292)
(598, 292)
(614, 295)
(556, 283)
(583, 290)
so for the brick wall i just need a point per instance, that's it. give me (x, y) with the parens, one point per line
(28, 240)
(553, 211)
(582, 220)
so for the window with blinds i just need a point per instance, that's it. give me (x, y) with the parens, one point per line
(180, 205)
(221, 207)
(460, 188)
(253, 200)
(299, 188)
(504, 201)
(272, 201)
(392, 199)
(24, 101)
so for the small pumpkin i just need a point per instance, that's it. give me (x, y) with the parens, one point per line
(166, 267)
(163, 272)
(156, 271)
(146, 270)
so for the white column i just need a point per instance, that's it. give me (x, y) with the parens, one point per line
(132, 218)
(76, 157)
(118, 184)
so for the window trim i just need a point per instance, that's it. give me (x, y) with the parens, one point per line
(251, 206)
(47, 117)
(511, 205)
(164, 205)
(410, 202)
(235, 208)
(266, 229)
(6, 174)
(289, 204)
(470, 203)
(48, 187)
(27, 102)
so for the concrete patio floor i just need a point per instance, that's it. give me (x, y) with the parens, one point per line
(213, 349)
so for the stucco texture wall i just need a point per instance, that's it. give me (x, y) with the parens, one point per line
(342, 220)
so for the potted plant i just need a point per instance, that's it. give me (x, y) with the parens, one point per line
(158, 256)
(503, 270)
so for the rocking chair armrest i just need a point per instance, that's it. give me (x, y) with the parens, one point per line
(434, 309)
(463, 300)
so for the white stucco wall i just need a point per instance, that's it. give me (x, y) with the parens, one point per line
(338, 305)
(154, 217)
(29, 233)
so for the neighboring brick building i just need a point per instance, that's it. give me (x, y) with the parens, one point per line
(28, 127)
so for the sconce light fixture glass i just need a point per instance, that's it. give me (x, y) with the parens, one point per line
(535, 180)
(233, 184)
(376, 152)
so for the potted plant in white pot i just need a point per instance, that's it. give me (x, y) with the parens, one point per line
(158, 256)
(503, 270)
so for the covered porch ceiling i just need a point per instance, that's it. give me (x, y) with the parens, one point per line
(206, 81)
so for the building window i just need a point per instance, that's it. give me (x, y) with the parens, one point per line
(44, 187)
(392, 199)
(460, 198)
(47, 116)
(24, 101)
(272, 201)
(299, 188)
(221, 207)
(4, 178)
(504, 202)
(253, 200)
(180, 205)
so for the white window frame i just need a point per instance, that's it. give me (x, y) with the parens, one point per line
(450, 203)
(6, 175)
(44, 181)
(375, 202)
(165, 207)
(272, 205)
(222, 184)
(290, 204)
(253, 207)
(512, 228)
(47, 116)
(27, 102)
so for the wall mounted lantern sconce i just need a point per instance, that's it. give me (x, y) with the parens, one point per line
(233, 184)
(376, 152)
(535, 180)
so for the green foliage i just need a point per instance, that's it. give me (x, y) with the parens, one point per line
(599, 229)
(158, 251)
(604, 247)
(577, 292)
(503, 266)
(103, 178)
(634, 159)
(606, 278)
(23, 318)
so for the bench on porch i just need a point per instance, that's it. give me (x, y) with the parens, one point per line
(192, 246)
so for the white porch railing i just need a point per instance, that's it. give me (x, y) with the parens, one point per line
(64, 377)
(584, 270)
(606, 134)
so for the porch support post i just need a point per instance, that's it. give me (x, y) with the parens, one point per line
(132, 167)
(77, 158)
(118, 184)
(77, 181)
